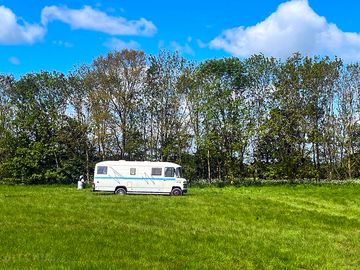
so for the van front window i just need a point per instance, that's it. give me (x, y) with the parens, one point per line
(179, 172)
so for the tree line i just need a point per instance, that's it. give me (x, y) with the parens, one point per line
(226, 119)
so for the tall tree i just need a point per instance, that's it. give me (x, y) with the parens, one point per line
(318, 77)
(222, 116)
(79, 118)
(349, 113)
(117, 82)
(261, 73)
(286, 124)
(6, 115)
(39, 101)
(167, 110)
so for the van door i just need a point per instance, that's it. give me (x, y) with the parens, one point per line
(169, 179)
(156, 180)
(102, 179)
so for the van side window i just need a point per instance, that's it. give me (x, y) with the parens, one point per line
(132, 171)
(169, 172)
(156, 171)
(179, 172)
(101, 170)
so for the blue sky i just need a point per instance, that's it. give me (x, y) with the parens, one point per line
(57, 35)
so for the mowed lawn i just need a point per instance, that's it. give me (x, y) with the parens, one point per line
(273, 227)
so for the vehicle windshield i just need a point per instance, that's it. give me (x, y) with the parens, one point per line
(179, 172)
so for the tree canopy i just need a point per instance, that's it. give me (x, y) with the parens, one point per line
(224, 119)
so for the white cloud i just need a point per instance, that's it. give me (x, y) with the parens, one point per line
(92, 19)
(14, 60)
(14, 30)
(117, 44)
(294, 27)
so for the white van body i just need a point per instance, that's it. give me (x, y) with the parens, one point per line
(139, 177)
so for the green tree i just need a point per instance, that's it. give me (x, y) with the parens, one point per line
(39, 102)
(318, 80)
(166, 106)
(6, 116)
(79, 118)
(261, 72)
(286, 125)
(221, 116)
(116, 98)
(349, 115)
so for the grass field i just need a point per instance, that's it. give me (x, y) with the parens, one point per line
(273, 227)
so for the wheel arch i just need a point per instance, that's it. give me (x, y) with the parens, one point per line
(179, 189)
(117, 187)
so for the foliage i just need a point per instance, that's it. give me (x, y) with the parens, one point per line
(224, 119)
(41, 143)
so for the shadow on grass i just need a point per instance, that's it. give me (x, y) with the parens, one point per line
(103, 193)
(17, 196)
(137, 194)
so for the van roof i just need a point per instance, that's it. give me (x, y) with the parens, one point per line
(137, 163)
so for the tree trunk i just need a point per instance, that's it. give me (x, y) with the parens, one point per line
(87, 164)
(208, 166)
(350, 154)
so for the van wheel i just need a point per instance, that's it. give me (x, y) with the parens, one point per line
(120, 191)
(176, 192)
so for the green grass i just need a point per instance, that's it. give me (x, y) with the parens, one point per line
(272, 227)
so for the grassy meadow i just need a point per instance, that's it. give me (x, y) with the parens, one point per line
(270, 227)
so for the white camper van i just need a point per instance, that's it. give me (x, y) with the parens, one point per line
(139, 177)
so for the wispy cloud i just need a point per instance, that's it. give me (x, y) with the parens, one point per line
(92, 19)
(294, 27)
(161, 44)
(201, 44)
(175, 46)
(182, 49)
(14, 60)
(117, 44)
(17, 31)
(65, 44)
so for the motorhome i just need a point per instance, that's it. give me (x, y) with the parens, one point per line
(139, 177)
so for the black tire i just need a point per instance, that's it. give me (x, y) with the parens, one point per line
(120, 191)
(176, 192)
